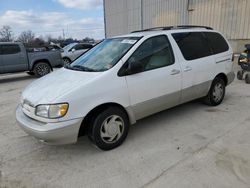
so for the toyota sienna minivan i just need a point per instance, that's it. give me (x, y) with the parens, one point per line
(124, 79)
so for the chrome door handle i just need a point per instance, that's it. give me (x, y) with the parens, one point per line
(175, 71)
(186, 69)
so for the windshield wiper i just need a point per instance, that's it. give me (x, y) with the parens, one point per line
(82, 68)
(67, 66)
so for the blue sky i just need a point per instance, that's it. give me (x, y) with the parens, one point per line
(78, 18)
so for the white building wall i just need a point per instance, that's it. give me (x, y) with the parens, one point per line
(122, 16)
(231, 17)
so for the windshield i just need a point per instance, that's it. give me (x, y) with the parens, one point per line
(104, 55)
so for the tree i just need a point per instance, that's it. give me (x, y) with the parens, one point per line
(88, 40)
(48, 38)
(26, 37)
(38, 42)
(6, 34)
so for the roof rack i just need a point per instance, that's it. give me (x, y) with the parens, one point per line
(173, 27)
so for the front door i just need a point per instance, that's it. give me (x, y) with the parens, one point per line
(158, 85)
(79, 49)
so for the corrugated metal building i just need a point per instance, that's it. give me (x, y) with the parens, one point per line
(231, 17)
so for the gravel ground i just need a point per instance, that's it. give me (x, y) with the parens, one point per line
(191, 145)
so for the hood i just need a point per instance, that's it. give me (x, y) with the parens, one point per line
(48, 88)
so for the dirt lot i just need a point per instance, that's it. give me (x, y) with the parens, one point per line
(192, 145)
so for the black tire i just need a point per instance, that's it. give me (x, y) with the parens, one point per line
(212, 99)
(240, 75)
(247, 78)
(66, 61)
(41, 69)
(97, 128)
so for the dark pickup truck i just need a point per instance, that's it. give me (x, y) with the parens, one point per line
(14, 57)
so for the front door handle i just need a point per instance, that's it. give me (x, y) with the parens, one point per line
(175, 71)
(186, 69)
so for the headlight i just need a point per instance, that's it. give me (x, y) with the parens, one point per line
(52, 111)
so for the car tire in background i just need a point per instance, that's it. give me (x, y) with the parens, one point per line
(109, 128)
(247, 78)
(66, 61)
(240, 74)
(216, 93)
(41, 69)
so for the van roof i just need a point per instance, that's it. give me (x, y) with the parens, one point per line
(168, 29)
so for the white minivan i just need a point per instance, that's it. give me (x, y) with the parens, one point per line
(124, 79)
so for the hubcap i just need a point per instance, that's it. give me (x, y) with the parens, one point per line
(42, 70)
(112, 129)
(218, 92)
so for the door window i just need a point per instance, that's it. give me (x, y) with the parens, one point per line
(7, 49)
(82, 47)
(155, 52)
(193, 45)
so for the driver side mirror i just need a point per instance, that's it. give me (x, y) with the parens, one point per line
(132, 66)
(73, 50)
(135, 67)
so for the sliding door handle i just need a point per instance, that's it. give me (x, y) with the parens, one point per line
(175, 71)
(186, 69)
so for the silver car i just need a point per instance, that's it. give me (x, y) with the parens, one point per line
(73, 51)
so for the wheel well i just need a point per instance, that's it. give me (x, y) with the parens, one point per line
(67, 58)
(223, 77)
(86, 121)
(42, 60)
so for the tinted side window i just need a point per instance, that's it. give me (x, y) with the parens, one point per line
(217, 42)
(154, 53)
(193, 45)
(9, 49)
(82, 47)
(78, 47)
(87, 46)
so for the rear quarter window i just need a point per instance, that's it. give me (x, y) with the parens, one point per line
(217, 42)
(193, 45)
(7, 49)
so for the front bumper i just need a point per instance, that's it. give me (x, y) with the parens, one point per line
(65, 132)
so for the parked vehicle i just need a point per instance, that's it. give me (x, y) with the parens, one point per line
(244, 62)
(124, 79)
(73, 51)
(15, 58)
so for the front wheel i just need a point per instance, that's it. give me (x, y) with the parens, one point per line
(216, 93)
(240, 74)
(41, 69)
(109, 128)
(66, 61)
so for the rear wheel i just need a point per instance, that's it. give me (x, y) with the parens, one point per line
(41, 69)
(216, 93)
(247, 78)
(109, 128)
(240, 75)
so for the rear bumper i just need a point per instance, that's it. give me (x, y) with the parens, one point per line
(52, 133)
(230, 77)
